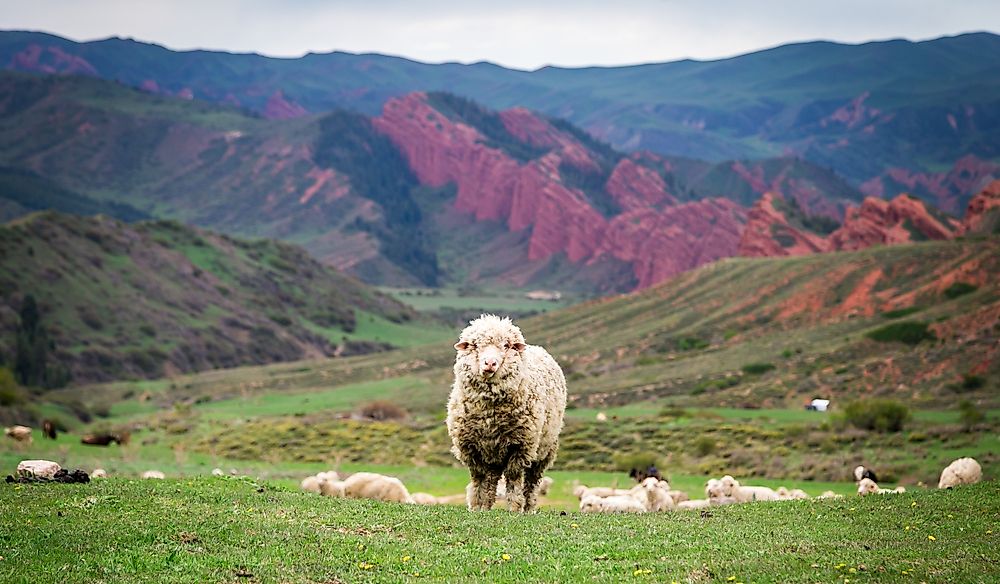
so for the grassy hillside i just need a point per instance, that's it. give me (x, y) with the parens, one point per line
(758, 337)
(158, 298)
(238, 530)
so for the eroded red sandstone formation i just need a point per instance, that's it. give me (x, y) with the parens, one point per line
(983, 212)
(769, 234)
(279, 107)
(659, 238)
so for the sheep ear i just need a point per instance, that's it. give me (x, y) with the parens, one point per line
(519, 347)
(461, 346)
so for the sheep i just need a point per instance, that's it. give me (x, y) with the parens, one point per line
(49, 429)
(424, 499)
(830, 495)
(104, 439)
(745, 494)
(99, 473)
(785, 495)
(612, 504)
(545, 485)
(694, 504)
(311, 484)
(369, 485)
(870, 487)
(601, 417)
(679, 496)
(217, 472)
(331, 488)
(860, 472)
(657, 495)
(964, 471)
(505, 412)
(19, 433)
(153, 474)
(581, 491)
(328, 475)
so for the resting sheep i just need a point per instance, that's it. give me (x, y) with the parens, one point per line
(505, 412)
(964, 471)
(369, 485)
(693, 504)
(657, 495)
(331, 488)
(19, 433)
(311, 484)
(99, 473)
(612, 504)
(745, 494)
(869, 487)
(153, 474)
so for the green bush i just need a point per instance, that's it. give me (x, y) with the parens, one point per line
(704, 446)
(10, 393)
(639, 460)
(882, 415)
(971, 381)
(901, 312)
(757, 368)
(908, 332)
(959, 289)
(969, 415)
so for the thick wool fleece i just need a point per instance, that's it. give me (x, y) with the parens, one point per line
(505, 423)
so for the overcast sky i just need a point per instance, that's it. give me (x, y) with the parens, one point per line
(516, 33)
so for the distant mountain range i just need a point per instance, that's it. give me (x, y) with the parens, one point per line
(437, 189)
(889, 117)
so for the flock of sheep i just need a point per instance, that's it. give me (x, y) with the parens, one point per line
(505, 414)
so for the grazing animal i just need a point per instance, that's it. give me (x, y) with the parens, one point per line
(870, 487)
(49, 429)
(99, 473)
(505, 412)
(657, 495)
(311, 484)
(964, 471)
(19, 433)
(694, 504)
(862, 472)
(612, 504)
(153, 474)
(745, 494)
(104, 439)
(369, 485)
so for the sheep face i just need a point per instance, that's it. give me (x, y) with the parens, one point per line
(490, 348)
(729, 485)
(859, 473)
(867, 487)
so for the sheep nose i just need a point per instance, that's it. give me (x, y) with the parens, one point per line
(490, 365)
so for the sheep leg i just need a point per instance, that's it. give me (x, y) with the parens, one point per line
(484, 489)
(515, 488)
(532, 478)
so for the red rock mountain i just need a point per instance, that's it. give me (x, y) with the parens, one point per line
(771, 231)
(983, 213)
(652, 232)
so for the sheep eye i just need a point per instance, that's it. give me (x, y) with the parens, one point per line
(506, 346)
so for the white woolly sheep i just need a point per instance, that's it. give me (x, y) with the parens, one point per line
(694, 504)
(99, 473)
(331, 488)
(217, 472)
(544, 485)
(612, 504)
(19, 433)
(602, 417)
(964, 471)
(581, 491)
(830, 495)
(870, 487)
(153, 474)
(369, 485)
(311, 484)
(424, 499)
(679, 496)
(746, 494)
(328, 475)
(505, 412)
(657, 495)
(785, 494)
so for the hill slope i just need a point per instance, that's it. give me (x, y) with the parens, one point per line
(895, 115)
(158, 298)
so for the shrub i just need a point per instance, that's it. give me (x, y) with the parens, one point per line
(908, 332)
(638, 460)
(10, 394)
(381, 411)
(704, 446)
(969, 415)
(901, 312)
(959, 289)
(882, 415)
(757, 368)
(971, 381)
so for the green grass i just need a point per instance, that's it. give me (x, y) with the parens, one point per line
(238, 530)
(428, 299)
